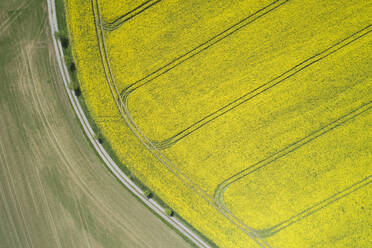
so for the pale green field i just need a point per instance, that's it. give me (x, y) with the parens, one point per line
(54, 190)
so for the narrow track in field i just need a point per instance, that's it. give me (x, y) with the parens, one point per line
(111, 26)
(221, 189)
(147, 143)
(202, 47)
(166, 143)
(156, 146)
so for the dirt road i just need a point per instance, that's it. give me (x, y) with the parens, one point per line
(54, 190)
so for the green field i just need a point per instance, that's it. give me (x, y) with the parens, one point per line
(54, 190)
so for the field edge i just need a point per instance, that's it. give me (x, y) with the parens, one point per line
(62, 26)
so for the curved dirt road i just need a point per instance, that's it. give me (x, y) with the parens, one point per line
(54, 190)
(176, 223)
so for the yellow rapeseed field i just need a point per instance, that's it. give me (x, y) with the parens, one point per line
(257, 113)
(242, 62)
(278, 117)
(142, 45)
(198, 212)
(278, 201)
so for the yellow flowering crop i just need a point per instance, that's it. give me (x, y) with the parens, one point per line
(291, 110)
(314, 180)
(260, 110)
(240, 63)
(112, 10)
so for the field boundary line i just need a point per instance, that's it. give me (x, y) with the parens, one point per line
(111, 26)
(200, 48)
(114, 168)
(166, 143)
(222, 187)
(147, 143)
